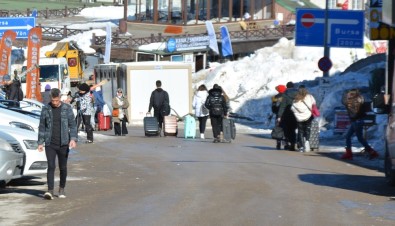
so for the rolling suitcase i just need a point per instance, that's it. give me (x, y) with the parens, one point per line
(170, 126)
(104, 122)
(151, 127)
(314, 140)
(189, 127)
(228, 129)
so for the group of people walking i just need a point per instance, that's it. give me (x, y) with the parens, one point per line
(293, 108)
(214, 104)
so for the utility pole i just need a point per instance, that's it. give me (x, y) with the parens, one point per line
(326, 48)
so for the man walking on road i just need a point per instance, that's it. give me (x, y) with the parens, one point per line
(160, 102)
(58, 132)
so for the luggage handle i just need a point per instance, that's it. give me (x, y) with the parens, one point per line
(148, 114)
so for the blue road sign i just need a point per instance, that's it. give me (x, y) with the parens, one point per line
(345, 28)
(21, 25)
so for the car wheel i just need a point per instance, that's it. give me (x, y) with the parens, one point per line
(389, 172)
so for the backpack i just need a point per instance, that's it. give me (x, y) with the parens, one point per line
(165, 109)
(216, 107)
(353, 102)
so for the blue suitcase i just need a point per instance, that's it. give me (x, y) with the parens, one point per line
(189, 127)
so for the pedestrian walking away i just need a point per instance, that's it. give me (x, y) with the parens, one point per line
(301, 107)
(287, 117)
(276, 101)
(121, 103)
(201, 111)
(354, 103)
(58, 132)
(160, 101)
(216, 104)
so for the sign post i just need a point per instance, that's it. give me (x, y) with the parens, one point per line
(325, 73)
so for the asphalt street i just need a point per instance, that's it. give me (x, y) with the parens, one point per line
(137, 180)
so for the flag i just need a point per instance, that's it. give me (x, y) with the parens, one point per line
(108, 44)
(33, 56)
(345, 5)
(226, 43)
(213, 38)
(5, 52)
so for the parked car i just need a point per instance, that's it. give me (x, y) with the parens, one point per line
(16, 119)
(31, 105)
(11, 159)
(35, 161)
(6, 104)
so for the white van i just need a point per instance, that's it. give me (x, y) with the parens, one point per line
(53, 72)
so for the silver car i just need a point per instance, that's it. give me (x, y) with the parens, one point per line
(12, 159)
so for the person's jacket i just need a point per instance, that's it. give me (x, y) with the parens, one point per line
(158, 97)
(124, 107)
(68, 130)
(215, 97)
(286, 103)
(14, 93)
(302, 108)
(198, 100)
(86, 105)
(276, 101)
(99, 101)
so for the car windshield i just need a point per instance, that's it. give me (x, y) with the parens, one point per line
(49, 73)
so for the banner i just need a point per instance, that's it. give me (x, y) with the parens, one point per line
(33, 56)
(213, 38)
(5, 52)
(226, 43)
(107, 53)
(345, 5)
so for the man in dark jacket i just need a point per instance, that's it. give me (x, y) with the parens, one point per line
(218, 109)
(160, 102)
(14, 89)
(287, 117)
(58, 132)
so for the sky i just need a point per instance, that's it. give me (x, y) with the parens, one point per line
(250, 81)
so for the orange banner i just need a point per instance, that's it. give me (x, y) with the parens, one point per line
(5, 52)
(33, 55)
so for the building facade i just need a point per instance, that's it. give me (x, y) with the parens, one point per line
(190, 12)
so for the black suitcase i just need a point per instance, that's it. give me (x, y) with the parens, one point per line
(228, 129)
(151, 127)
(314, 140)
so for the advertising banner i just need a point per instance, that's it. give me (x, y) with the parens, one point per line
(226, 43)
(33, 90)
(5, 52)
(213, 38)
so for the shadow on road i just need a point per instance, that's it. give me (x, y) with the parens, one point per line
(367, 184)
(16, 186)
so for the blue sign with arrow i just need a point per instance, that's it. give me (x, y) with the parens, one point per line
(21, 25)
(345, 28)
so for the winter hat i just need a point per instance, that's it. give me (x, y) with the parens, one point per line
(84, 87)
(281, 88)
(290, 85)
(47, 87)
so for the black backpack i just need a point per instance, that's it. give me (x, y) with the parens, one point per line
(165, 109)
(216, 107)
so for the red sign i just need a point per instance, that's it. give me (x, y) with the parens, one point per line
(307, 20)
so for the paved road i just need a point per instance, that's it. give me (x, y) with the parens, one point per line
(135, 180)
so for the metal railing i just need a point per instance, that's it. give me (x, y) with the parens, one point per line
(44, 13)
(258, 34)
